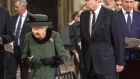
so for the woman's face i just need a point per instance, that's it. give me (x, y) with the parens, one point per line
(39, 31)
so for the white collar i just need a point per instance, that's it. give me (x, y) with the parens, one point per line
(98, 9)
(124, 12)
(24, 14)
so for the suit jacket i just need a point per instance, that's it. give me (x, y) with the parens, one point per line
(134, 33)
(25, 29)
(105, 48)
(6, 34)
(6, 25)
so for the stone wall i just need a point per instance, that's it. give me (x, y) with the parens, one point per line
(77, 4)
(65, 10)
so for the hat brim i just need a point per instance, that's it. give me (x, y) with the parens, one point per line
(39, 24)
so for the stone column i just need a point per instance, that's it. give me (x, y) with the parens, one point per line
(2, 3)
(65, 9)
(77, 4)
(12, 7)
(8, 5)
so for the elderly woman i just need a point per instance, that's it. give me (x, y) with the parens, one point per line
(43, 48)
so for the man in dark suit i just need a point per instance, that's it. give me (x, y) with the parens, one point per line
(102, 41)
(20, 31)
(132, 30)
(131, 24)
(6, 36)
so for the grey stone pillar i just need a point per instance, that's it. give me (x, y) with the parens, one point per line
(8, 5)
(65, 9)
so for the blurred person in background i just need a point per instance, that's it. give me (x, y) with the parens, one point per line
(110, 4)
(75, 17)
(136, 3)
(75, 49)
(118, 5)
(139, 6)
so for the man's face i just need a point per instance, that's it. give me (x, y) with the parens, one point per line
(20, 9)
(118, 5)
(128, 5)
(91, 4)
(109, 4)
(38, 31)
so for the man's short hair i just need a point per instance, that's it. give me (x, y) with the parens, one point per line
(22, 2)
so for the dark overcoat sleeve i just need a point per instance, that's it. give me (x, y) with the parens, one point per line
(6, 27)
(118, 36)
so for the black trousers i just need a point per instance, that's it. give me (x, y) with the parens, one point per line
(1, 62)
(92, 74)
(15, 62)
(1, 65)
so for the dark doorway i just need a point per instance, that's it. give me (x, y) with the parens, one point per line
(48, 7)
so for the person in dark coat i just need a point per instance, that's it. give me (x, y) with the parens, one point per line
(74, 40)
(103, 43)
(20, 30)
(132, 30)
(6, 36)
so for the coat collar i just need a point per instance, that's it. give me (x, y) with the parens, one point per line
(87, 16)
(99, 20)
(123, 21)
(47, 37)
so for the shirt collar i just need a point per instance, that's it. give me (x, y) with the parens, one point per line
(24, 14)
(124, 12)
(98, 9)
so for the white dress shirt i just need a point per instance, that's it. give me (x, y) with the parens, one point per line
(91, 17)
(126, 15)
(23, 19)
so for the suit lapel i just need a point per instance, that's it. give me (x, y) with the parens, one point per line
(24, 26)
(86, 26)
(26, 19)
(134, 21)
(15, 21)
(123, 22)
(98, 21)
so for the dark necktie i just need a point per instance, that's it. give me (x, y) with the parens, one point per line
(93, 20)
(129, 21)
(18, 30)
(93, 23)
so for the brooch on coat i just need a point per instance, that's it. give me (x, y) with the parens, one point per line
(51, 40)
